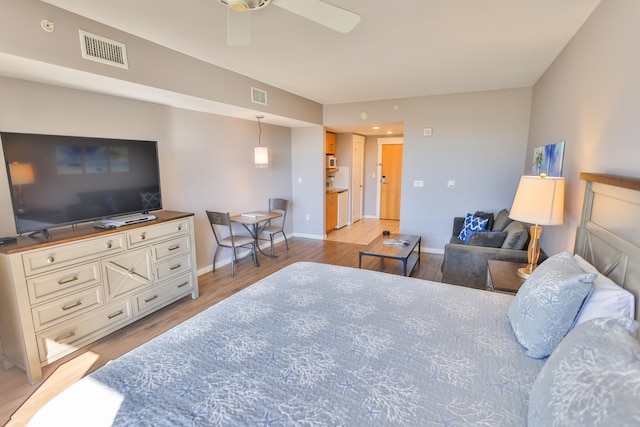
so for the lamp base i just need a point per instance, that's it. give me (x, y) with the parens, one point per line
(523, 273)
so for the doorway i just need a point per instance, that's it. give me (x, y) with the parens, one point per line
(390, 173)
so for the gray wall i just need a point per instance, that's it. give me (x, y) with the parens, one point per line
(479, 140)
(590, 98)
(206, 161)
(307, 181)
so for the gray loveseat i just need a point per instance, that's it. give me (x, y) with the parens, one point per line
(505, 239)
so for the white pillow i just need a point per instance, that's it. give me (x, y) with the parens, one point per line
(607, 299)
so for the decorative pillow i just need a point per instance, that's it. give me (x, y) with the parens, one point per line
(150, 200)
(591, 379)
(472, 224)
(607, 299)
(517, 236)
(502, 220)
(488, 239)
(547, 303)
(489, 216)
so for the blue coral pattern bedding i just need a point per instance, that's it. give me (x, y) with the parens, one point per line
(319, 345)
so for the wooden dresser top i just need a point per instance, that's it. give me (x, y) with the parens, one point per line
(82, 231)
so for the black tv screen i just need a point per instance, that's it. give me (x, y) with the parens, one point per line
(61, 180)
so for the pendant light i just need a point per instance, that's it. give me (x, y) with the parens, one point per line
(260, 153)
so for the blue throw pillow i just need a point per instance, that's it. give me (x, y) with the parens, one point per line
(591, 379)
(547, 303)
(472, 224)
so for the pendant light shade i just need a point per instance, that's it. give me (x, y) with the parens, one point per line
(260, 153)
(261, 157)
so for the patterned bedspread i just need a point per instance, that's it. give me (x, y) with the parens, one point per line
(317, 344)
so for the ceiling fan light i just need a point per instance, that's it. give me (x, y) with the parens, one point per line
(238, 5)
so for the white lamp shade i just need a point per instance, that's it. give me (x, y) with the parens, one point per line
(539, 200)
(21, 173)
(261, 157)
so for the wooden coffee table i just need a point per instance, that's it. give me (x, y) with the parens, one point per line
(405, 253)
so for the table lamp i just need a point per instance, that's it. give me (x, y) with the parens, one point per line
(539, 200)
(21, 174)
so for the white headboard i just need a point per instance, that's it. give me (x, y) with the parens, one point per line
(609, 232)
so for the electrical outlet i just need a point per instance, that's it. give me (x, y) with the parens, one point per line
(451, 184)
(307, 217)
(418, 183)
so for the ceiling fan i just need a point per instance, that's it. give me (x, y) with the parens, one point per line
(239, 21)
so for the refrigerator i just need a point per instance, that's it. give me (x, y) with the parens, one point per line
(343, 208)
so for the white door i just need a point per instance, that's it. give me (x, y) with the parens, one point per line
(357, 178)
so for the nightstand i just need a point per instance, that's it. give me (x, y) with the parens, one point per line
(502, 276)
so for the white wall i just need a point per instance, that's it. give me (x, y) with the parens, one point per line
(479, 140)
(206, 161)
(590, 98)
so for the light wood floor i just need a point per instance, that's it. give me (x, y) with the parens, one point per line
(214, 287)
(363, 231)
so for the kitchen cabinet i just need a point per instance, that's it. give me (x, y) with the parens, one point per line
(330, 143)
(331, 211)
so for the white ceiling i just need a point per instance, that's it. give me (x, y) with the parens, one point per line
(400, 48)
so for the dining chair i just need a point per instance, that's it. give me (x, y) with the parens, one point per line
(227, 238)
(275, 225)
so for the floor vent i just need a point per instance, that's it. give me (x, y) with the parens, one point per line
(258, 96)
(103, 50)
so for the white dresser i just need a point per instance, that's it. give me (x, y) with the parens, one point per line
(58, 296)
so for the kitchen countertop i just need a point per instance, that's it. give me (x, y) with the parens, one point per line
(336, 190)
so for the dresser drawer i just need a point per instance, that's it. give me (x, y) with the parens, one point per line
(53, 285)
(172, 267)
(171, 248)
(142, 236)
(49, 259)
(64, 308)
(163, 293)
(79, 331)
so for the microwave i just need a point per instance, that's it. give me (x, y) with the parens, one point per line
(332, 162)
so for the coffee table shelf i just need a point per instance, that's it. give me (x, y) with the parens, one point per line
(406, 254)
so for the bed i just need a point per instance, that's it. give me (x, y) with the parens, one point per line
(317, 344)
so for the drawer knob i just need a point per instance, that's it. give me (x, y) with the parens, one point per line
(173, 267)
(143, 236)
(183, 284)
(179, 228)
(108, 245)
(50, 259)
(174, 247)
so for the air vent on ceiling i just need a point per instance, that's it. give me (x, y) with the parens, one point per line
(258, 96)
(103, 50)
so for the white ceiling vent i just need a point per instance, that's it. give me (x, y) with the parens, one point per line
(103, 50)
(258, 96)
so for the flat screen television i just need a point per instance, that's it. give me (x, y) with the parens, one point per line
(61, 180)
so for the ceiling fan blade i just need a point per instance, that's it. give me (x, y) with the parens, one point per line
(238, 28)
(330, 16)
